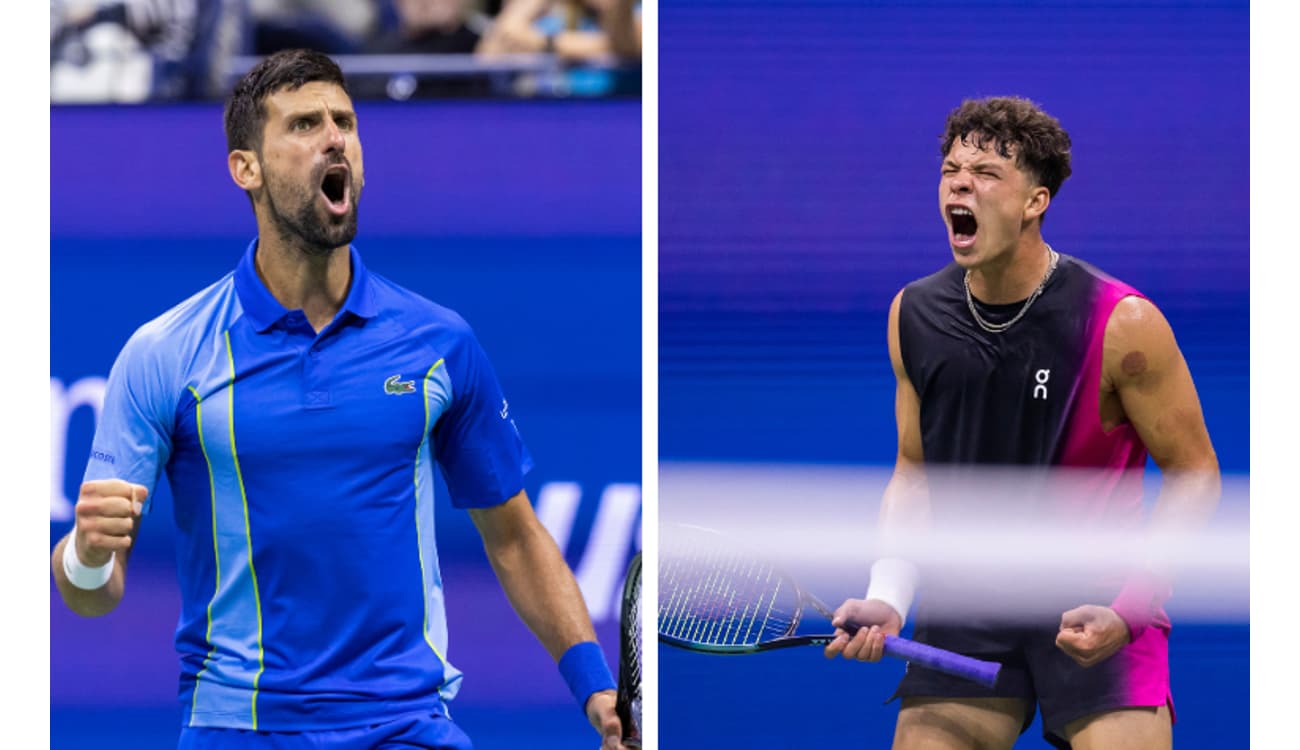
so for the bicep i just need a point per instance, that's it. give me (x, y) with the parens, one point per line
(907, 414)
(1155, 388)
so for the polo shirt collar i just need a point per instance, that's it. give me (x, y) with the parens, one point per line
(263, 310)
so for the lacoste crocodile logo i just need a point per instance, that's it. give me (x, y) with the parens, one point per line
(395, 387)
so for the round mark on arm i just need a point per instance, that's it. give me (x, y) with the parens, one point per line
(1134, 364)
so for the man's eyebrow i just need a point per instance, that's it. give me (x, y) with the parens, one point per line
(301, 114)
(314, 112)
(982, 164)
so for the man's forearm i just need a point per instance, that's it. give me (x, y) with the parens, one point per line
(1187, 501)
(542, 590)
(904, 511)
(904, 507)
(88, 603)
(1188, 498)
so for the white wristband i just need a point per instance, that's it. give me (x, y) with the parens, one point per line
(893, 581)
(81, 575)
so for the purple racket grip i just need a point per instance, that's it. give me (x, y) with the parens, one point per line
(983, 672)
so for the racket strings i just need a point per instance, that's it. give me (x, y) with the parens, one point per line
(714, 597)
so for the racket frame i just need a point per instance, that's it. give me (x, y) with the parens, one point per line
(976, 670)
(626, 693)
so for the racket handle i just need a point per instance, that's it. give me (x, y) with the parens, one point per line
(940, 660)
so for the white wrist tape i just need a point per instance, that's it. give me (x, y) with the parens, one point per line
(81, 575)
(893, 581)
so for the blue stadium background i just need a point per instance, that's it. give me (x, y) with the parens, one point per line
(524, 217)
(798, 170)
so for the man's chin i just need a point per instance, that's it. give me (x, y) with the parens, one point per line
(331, 233)
(341, 238)
(966, 257)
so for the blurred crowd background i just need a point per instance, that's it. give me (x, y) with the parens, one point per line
(125, 51)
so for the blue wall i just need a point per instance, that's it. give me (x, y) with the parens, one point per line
(798, 170)
(525, 218)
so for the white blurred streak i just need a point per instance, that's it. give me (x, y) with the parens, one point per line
(1005, 542)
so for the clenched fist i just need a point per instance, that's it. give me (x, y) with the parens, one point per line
(1091, 634)
(106, 513)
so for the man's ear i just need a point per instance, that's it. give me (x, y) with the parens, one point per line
(245, 169)
(1039, 199)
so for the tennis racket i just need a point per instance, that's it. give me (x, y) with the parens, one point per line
(628, 703)
(718, 599)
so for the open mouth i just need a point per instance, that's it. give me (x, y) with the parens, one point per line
(963, 223)
(336, 189)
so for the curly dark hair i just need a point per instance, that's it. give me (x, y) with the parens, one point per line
(245, 114)
(1041, 145)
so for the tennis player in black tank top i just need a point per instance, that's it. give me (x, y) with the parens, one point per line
(1016, 354)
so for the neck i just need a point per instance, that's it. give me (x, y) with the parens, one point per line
(1014, 276)
(316, 284)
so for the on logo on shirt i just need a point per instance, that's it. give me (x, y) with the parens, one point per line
(1040, 384)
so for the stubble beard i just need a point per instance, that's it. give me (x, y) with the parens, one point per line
(307, 227)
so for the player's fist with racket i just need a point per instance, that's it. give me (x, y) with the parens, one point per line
(603, 716)
(860, 629)
(106, 512)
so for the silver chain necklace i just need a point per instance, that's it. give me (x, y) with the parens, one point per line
(1000, 327)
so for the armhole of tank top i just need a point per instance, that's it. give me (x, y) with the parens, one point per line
(902, 353)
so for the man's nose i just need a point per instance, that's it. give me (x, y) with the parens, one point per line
(334, 140)
(960, 182)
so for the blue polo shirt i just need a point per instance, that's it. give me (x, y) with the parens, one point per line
(302, 470)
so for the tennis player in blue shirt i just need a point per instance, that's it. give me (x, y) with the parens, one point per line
(298, 406)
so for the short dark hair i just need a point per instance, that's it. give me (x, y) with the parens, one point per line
(1042, 147)
(245, 114)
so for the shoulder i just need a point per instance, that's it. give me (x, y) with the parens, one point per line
(1134, 314)
(1126, 311)
(1136, 320)
(914, 304)
(1139, 341)
(417, 312)
(941, 286)
(1088, 279)
(154, 364)
(941, 280)
(440, 329)
(178, 330)
(937, 291)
